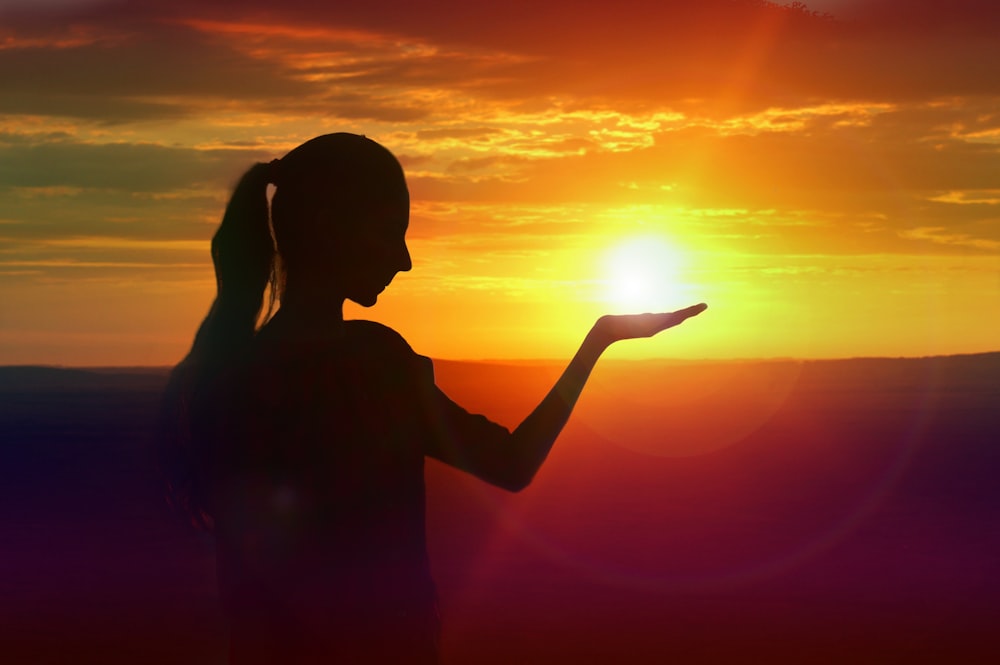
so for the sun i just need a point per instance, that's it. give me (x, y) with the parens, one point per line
(641, 274)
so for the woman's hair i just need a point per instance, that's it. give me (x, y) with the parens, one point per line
(244, 255)
(325, 182)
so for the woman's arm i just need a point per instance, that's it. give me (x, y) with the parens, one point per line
(513, 462)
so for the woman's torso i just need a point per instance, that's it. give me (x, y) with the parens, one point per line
(318, 499)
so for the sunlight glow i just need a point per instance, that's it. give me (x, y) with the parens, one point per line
(641, 273)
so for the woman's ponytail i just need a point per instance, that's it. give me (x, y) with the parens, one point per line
(244, 255)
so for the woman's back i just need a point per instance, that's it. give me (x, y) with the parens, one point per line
(318, 496)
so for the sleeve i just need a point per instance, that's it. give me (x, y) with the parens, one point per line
(449, 433)
(464, 440)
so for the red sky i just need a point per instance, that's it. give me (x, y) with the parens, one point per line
(827, 182)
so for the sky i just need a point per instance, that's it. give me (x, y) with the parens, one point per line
(826, 177)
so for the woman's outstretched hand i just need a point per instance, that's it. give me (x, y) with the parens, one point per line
(612, 328)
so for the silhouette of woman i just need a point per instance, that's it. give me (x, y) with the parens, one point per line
(301, 443)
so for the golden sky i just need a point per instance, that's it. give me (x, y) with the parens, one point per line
(827, 178)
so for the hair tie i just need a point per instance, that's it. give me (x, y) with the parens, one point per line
(272, 171)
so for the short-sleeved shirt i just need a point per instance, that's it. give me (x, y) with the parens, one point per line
(318, 496)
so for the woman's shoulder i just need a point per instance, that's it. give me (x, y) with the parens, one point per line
(366, 327)
(379, 344)
(356, 345)
(377, 336)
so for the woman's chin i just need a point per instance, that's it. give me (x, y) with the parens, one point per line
(366, 300)
(366, 297)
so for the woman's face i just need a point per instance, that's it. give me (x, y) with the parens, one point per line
(375, 250)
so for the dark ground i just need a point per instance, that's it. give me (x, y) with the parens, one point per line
(772, 512)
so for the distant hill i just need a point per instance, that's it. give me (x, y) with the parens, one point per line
(981, 369)
(36, 378)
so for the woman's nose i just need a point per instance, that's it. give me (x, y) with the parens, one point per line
(405, 263)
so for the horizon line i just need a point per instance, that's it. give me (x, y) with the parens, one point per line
(554, 361)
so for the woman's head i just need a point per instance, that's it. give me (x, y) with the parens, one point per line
(340, 212)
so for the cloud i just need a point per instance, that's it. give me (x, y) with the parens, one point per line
(155, 71)
(462, 133)
(102, 109)
(131, 167)
(984, 197)
(944, 236)
(94, 257)
(36, 5)
(740, 55)
(719, 57)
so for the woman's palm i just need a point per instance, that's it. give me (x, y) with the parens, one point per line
(616, 327)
